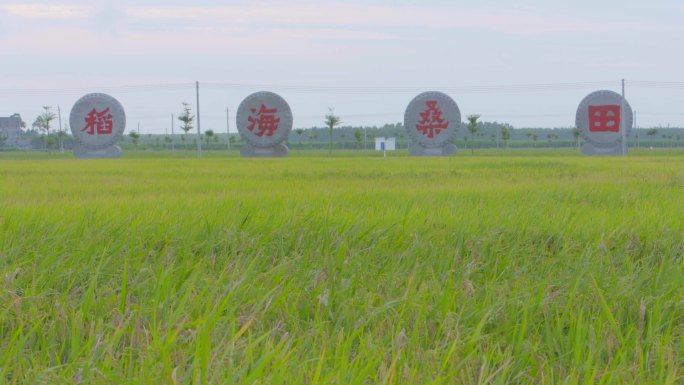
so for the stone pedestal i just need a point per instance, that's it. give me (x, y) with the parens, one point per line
(277, 151)
(593, 149)
(111, 152)
(446, 150)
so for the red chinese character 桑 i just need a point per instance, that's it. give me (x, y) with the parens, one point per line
(604, 118)
(264, 120)
(100, 121)
(431, 121)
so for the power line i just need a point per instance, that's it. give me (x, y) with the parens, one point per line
(346, 89)
(382, 90)
(301, 88)
(81, 90)
(656, 84)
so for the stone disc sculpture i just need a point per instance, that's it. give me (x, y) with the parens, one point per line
(599, 120)
(97, 122)
(264, 120)
(431, 120)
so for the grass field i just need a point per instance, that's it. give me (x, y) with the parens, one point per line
(499, 268)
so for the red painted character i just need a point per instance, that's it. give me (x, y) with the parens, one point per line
(604, 118)
(431, 122)
(100, 121)
(264, 120)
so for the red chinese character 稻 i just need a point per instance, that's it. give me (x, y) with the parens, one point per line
(100, 121)
(431, 121)
(264, 120)
(604, 118)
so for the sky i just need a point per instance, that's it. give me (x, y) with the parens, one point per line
(528, 63)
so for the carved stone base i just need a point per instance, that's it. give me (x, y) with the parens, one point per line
(446, 150)
(611, 149)
(112, 152)
(277, 151)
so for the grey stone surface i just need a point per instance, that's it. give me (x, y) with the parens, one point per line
(264, 120)
(276, 151)
(97, 121)
(598, 120)
(431, 121)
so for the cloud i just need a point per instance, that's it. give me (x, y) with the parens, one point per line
(108, 20)
(255, 27)
(45, 11)
(508, 21)
(336, 16)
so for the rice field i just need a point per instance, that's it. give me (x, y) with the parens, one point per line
(506, 268)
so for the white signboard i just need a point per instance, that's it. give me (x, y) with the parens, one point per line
(385, 144)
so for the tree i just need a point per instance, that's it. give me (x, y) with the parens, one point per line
(186, 118)
(576, 135)
(209, 134)
(134, 138)
(358, 136)
(551, 137)
(652, 133)
(472, 128)
(331, 121)
(505, 134)
(43, 121)
(299, 132)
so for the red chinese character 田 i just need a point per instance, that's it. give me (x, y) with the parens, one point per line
(604, 118)
(100, 121)
(264, 120)
(431, 122)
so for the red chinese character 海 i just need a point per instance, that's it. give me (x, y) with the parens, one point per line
(264, 120)
(431, 121)
(604, 118)
(100, 121)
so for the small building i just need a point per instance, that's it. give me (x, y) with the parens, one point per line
(385, 144)
(10, 130)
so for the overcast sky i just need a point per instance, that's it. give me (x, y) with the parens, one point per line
(367, 59)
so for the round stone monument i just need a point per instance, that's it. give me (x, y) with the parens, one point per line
(264, 120)
(97, 122)
(600, 122)
(431, 120)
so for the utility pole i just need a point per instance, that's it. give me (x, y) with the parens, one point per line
(199, 135)
(623, 128)
(497, 137)
(228, 127)
(635, 130)
(364, 138)
(61, 139)
(173, 140)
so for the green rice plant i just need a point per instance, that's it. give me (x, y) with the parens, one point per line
(521, 268)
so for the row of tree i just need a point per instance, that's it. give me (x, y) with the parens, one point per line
(477, 133)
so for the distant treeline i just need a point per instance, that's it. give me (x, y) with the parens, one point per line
(356, 137)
